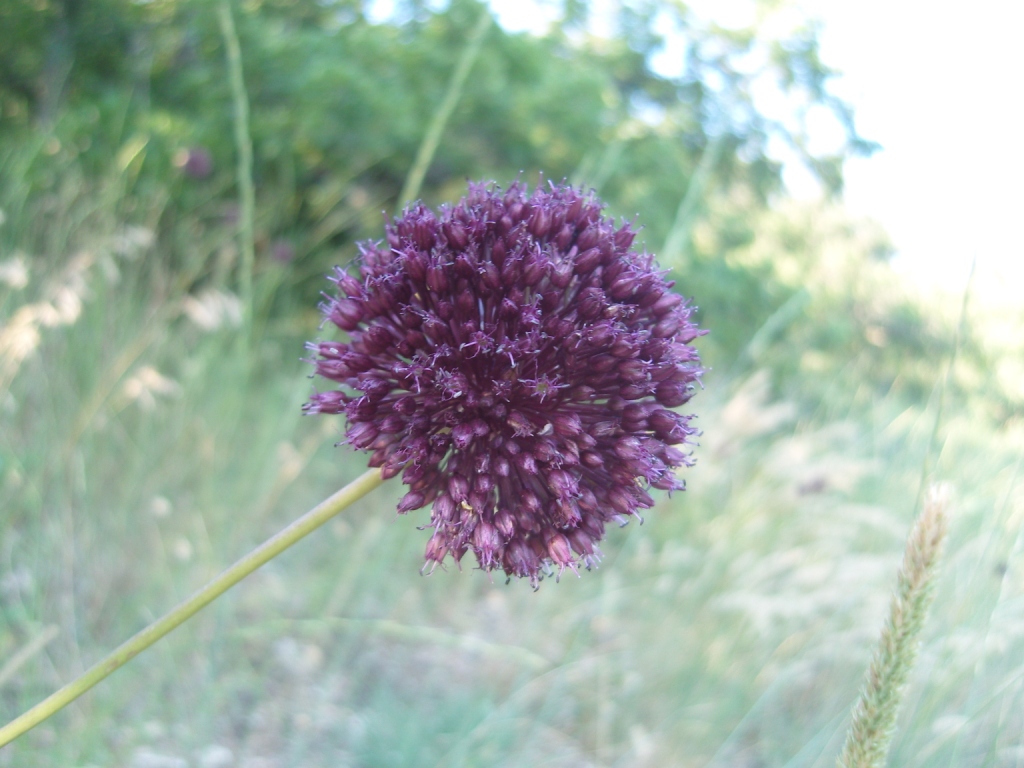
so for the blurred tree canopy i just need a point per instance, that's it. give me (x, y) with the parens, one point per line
(671, 117)
(336, 98)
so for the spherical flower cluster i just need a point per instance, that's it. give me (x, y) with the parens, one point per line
(516, 362)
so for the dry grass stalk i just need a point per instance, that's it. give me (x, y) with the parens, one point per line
(874, 717)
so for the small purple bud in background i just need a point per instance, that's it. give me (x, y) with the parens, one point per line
(282, 251)
(194, 162)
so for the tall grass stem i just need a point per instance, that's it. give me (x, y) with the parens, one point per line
(425, 154)
(19, 659)
(243, 147)
(678, 240)
(874, 716)
(128, 650)
(930, 459)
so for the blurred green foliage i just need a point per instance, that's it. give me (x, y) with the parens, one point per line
(143, 447)
(138, 93)
(339, 105)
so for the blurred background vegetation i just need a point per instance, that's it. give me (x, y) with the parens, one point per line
(150, 430)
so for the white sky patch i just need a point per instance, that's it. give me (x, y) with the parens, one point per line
(380, 11)
(731, 14)
(534, 16)
(938, 85)
(383, 11)
(670, 61)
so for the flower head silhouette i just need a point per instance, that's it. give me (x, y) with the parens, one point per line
(515, 361)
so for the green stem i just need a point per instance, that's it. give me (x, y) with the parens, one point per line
(677, 244)
(128, 650)
(243, 145)
(413, 182)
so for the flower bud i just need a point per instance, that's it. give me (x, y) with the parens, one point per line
(588, 238)
(416, 264)
(623, 287)
(667, 327)
(362, 434)
(558, 548)
(445, 509)
(462, 436)
(456, 234)
(412, 500)
(437, 280)
(526, 463)
(505, 523)
(325, 402)
(521, 426)
(540, 223)
(568, 425)
(346, 314)
(534, 268)
(628, 448)
(623, 238)
(458, 488)
(562, 484)
(666, 304)
(672, 394)
(377, 338)
(590, 303)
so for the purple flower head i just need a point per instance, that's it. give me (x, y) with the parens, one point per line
(516, 362)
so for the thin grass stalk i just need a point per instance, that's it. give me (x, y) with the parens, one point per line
(867, 742)
(24, 655)
(131, 648)
(874, 716)
(928, 463)
(677, 243)
(243, 147)
(425, 153)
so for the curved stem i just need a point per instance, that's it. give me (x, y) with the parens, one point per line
(128, 650)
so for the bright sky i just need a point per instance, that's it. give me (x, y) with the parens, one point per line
(939, 85)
